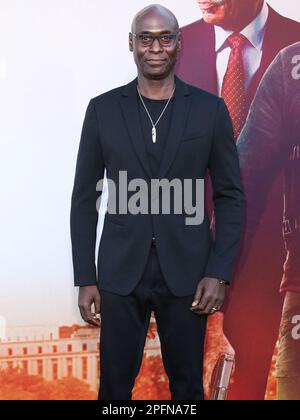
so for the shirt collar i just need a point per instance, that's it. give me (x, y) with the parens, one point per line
(254, 32)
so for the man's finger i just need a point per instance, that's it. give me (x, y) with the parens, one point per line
(213, 306)
(91, 319)
(198, 296)
(219, 304)
(199, 309)
(97, 305)
(94, 321)
(204, 302)
(87, 315)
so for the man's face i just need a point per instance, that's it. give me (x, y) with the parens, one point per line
(155, 61)
(225, 12)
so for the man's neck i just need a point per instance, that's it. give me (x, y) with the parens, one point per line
(156, 89)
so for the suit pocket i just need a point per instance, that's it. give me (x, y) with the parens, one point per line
(194, 136)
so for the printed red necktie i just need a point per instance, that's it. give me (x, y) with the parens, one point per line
(233, 88)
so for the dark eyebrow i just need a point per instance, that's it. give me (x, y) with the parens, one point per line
(167, 31)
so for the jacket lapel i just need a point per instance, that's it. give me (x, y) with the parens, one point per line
(182, 103)
(271, 46)
(129, 105)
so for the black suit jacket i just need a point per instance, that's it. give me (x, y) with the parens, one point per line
(201, 138)
(197, 61)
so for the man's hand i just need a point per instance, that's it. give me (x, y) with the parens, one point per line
(209, 296)
(89, 295)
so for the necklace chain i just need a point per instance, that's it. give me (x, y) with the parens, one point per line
(161, 115)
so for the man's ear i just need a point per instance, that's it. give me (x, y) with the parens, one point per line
(130, 42)
(179, 43)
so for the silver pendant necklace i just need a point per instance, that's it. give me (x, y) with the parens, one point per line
(154, 133)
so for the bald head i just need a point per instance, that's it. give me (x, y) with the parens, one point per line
(155, 42)
(154, 12)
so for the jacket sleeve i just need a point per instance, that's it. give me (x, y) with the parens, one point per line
(84, 214)
(228, 197)
(262, 148)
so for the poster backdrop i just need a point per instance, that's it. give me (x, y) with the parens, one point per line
(55, 56)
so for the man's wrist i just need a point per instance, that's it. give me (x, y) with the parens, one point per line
(81, 286)
(219, 279)
(222, 281)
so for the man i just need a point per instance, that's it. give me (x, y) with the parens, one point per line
(227, 53)
(270, 143)
(148, 262)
